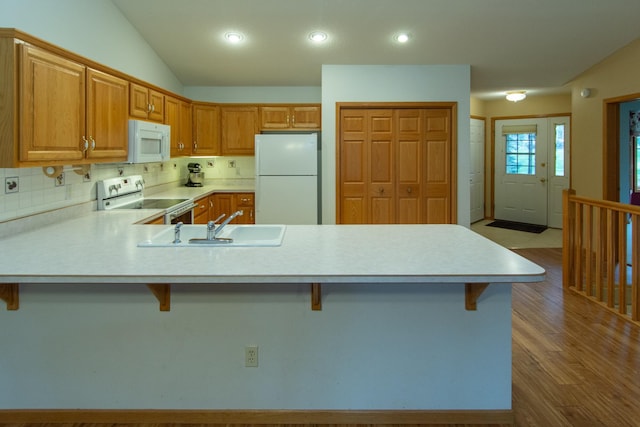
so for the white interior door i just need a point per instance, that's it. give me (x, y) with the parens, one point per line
(521, 170)
(476, 178)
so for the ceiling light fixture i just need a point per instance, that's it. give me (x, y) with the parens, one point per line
(234, 37)
(516, 96)
(402, 37)
(318, 36)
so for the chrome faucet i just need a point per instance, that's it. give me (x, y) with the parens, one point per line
(176, 231)
(219, 228)
(211, 227)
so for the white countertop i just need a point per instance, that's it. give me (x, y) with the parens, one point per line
(101, 247)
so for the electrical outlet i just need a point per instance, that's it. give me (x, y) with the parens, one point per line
(120, 171)
(251, 356)
(232, 163)
(59, 181)
(11, 185)
(209, 163)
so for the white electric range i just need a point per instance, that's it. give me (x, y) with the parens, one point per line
(127, 193)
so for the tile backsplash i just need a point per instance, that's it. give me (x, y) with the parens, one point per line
(28, 191)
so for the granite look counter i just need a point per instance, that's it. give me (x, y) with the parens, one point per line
(394, 337)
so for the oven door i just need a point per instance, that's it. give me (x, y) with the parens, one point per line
(184, 215)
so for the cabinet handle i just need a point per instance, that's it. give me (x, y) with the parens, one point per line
(210, 203)
(293, 120)
(287, 120)
(153, 108)
(86, 143)
(93, 143)
(195, 146)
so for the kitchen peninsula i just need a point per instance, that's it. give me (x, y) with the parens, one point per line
(392, 335)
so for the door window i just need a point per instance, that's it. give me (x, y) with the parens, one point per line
(559, 129)
(520, 154)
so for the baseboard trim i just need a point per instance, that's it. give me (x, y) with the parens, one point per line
(504, 417)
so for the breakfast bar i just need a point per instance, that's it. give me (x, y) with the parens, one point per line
(405, 318)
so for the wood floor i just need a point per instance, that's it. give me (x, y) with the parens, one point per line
(574, 363)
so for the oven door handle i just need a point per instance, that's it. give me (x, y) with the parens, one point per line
(181, 211)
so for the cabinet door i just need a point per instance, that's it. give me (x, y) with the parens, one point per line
(172, 118)
(274, 117)
(156, 100)
(245, 202)
(52, 107)
(223, 203)
(239, 127)
(107, 116)
(206, 130)
(139, 106)
(177, 114)
(305, 117)
(186, 130)
(201, 211)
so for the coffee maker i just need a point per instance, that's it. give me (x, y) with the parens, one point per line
(196, 176)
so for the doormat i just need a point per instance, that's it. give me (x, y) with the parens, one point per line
(519, 226)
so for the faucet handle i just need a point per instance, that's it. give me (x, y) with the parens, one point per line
(219, 218)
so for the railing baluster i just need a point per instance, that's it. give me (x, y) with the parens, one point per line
(635, 268)
(622, 262)
(588, 250)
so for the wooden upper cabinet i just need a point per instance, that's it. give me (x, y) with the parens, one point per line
(107, 116)
(52, 107)
(239, 126)
(178, 116)
(290, 117)
(206, 130)
(146, 103)
(69, 112)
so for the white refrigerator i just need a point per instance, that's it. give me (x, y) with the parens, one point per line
(287, 178)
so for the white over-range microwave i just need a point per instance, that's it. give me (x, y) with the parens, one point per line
(149, 142)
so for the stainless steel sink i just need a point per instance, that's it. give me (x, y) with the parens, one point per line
(195, 235)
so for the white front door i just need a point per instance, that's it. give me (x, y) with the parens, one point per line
(531, 169)
(476, 178)
(521, 170)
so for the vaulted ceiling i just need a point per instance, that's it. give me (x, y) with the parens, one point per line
(534, 45)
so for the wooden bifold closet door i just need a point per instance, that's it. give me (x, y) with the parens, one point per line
(395, 166)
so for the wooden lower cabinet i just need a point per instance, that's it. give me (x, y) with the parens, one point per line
(395, 166)
(211, 207)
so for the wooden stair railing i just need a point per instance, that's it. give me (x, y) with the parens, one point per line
(601, 252)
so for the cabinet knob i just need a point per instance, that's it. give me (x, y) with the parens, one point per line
(409, 190)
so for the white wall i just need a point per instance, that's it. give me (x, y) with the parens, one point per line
(255, 94)
(398, 83)
(94, 29)
(373, 346)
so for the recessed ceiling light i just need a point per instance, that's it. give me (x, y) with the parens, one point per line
(318, 36)
(234, 37)
(402, 37)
